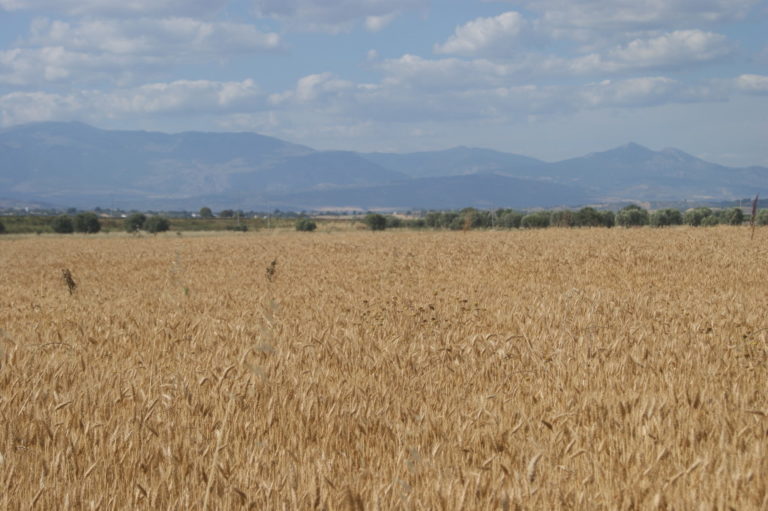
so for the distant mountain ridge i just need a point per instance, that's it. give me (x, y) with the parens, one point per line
(74, 164)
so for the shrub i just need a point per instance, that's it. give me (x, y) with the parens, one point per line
(709, 221)
(305, 224)
(62, 224)
(2, 228)
(632, 216)
(238, 228)
(135, 222)
(87, 223)
(762, 217)
(156, 223)
(666, 217)
(375, 221)
(537, 220)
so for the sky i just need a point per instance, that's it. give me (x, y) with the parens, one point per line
(552, 79)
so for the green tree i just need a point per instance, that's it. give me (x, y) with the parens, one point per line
(710, 221)
(564, 218)
(305, 224)
(62, 224)
(205, 212)
(510, 219)
(433, 219)
(87, 223)
(375, 221)
(2, 228)
(537, 220)
(695, 216)
(226, 213)
(733, 216)
(632, 216)
(156, 223)
(135, 222)
(609, 218)
(762, 217)
(589, 217)
(666, 217)
(394, 222)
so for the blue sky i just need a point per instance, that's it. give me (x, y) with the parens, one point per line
(546, 78)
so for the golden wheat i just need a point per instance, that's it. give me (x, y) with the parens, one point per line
(553, 369)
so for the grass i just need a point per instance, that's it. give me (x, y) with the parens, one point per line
(547, 369)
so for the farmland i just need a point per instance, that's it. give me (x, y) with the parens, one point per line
(549, 369)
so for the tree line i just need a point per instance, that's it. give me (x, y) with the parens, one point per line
(88, 223)
(629, 216)
(465, 219)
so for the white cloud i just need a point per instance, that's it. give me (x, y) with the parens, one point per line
(316, 89)
(407, 94)
(484, 35)
(753, 84)
(633, 14)
(449, 73)
(646, 91)
(675, 49)
(152, 36)
(23, 67)
(181, 97)
(376, 23)
(118, 50)
(138, 8)
(21, 107)
(335, 16)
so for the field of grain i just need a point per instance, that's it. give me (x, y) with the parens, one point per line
(552, 369)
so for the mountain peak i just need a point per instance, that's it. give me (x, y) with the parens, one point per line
(632, 147)
(677, 154)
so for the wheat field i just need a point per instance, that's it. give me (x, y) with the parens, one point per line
(552, 369)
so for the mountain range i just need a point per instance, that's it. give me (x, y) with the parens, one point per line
(74, 164)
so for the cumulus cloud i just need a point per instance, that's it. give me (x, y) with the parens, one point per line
(752, 84)
(634, 14)
(317, 89)
(116, 50)
(121, 8)
(336, 16)
(675, 49)
(412, 71)
(24, 67)
(152, 36)
(376, 23)
(484, 35)
(180, 97)
(21, 107)
(634, 92)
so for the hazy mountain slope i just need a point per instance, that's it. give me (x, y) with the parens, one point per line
(317, 170)
(475, 190)
(451, 162)
(73, 164)
(636, 172)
